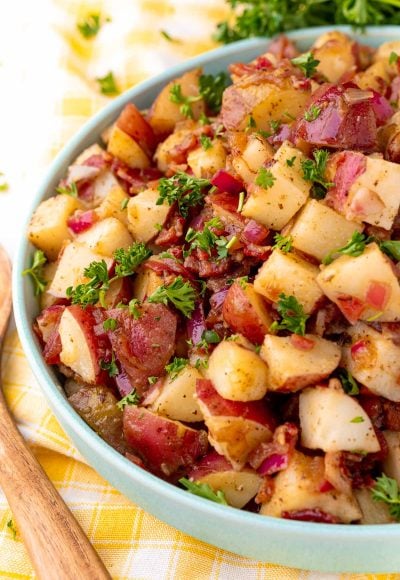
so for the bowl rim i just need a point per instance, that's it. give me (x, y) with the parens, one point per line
(57, 400)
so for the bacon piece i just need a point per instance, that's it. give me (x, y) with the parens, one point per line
(311, 515)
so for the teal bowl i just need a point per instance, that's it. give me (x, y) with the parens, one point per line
(323, 547)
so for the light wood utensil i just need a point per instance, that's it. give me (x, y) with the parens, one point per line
(57, 545)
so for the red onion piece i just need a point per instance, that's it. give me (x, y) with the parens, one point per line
(197, 324)
(82, 172)
(224, 181)
(349, 166)
(123, 383)
(274, 463)
(357, 348)
(81, 222)
(382, 108)
(254, 232)
(218, 298)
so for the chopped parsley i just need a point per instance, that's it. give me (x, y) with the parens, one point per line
(12, 528)
(90, 26)
(129, 259)
(152, 380)
(185, 190)
(354, 247)
(36, 272)
(168, 37)
(265, 178)
(349, 384)
(314, 171)
(393, 57)
(110, 366)
(110, 324)
(203, 490)
(312, 113)
(251, 123)
(283, 243)
(205, 142)
(131, 399)
(391, 248)
(133, 307)
(179, 293)
(176, 96)
(124, 203)
(290, 162)
(3, 183)
(108, 85)
(69, 189)
(292, 315)
(211, 88)
(306, 63)
(208, 241)
(203, 119)
(386, 490)
(176, 366)
(357, 420)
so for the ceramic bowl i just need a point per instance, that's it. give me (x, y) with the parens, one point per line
(323, 547)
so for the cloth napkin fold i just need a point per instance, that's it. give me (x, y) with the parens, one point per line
(59, 67)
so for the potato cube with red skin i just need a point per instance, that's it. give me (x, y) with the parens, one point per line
(132, 122)
(120, 290)
(71, 264)
(337, 55)
(165, 445)
(46, 326)
(164, 114)
(145, 283)
(245, 312)
(48, 228)
(295, 362)
(363, 287)
(298, 488)
(333, 421)
(123, 147)
(106, 236)
(275, 206)
(79, 343)
(319, 230)
(237, 373)
(234, 428)
(374, 360)
(239, 487)
(176, 399)
(291, 275)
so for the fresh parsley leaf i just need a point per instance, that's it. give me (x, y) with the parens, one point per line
(265, 178)
(307, 63)
(36, 272)
(176, 366)
(290, 162)
(168, 37)
(283, 243)
(292, 315)
(386, 490)
(110, 324)
(128, 260)
(131, 399)
(3, 183)
(203, 490)
(90, 26)
(391, 248)
(12, 528)
(110, 366)
(133, 308)
(179, 293)
(203, 119)
(152, 380)
(357, 420)
(354, 247)
(211, 88)
(185, 190)
(70, 189)
(124, 203)
(176, 96)
(243, 281)
(349, 384)
(312, 113)
(93, 291)
(208, 241)
(108, 85)
(205, 142)
(251, 123)
(314, 170)
(393, 58)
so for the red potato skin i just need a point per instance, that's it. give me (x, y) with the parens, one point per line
(132, 122)
(241, 316)
(166, 446)
(47, 328)
(213, 462)
(216, 405)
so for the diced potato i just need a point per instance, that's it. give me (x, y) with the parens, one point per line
(291, 368)
(385, 49)
(369, 280)
(94, 149)
(391, 463)
(106, 236)
(71, 264)
(144, 215)
(336, 56)
(374, 77)
(48, 272)
(112, 204)
(374, 360)
(319, 230)
(333, 421)
(379, 184)
(257, 152)
(298, 488)
(237, 374)
(122, 146)
(239, 487)
(263, 99)
(373, 512)
(274, 207)
(176, 400)
(48, 227)
(146, 282)
(163, 152)
(290, 275)
(205, 163)
(164, 114)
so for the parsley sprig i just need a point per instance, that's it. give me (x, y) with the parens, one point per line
(354, 247)
(391, 248)
(90, 26)
(313, 113)
(265, 178)
(108, 85)
(176, 96)
(110, 366)
(179, 293)
(36, 272)
(349, 383)
(185, 190)
(314, 171)
(386, 490)
(283, 243)
(203, 490)
(129, 259)
(293, 317)
(306, 63)
(132, 398)
(211, 88)
(208, 241)
(70, 189)
(176, 366)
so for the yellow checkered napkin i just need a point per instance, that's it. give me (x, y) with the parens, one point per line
(64, 66)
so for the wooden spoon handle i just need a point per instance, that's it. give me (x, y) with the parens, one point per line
(56, 543)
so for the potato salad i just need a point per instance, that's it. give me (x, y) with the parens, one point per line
(219, 283)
